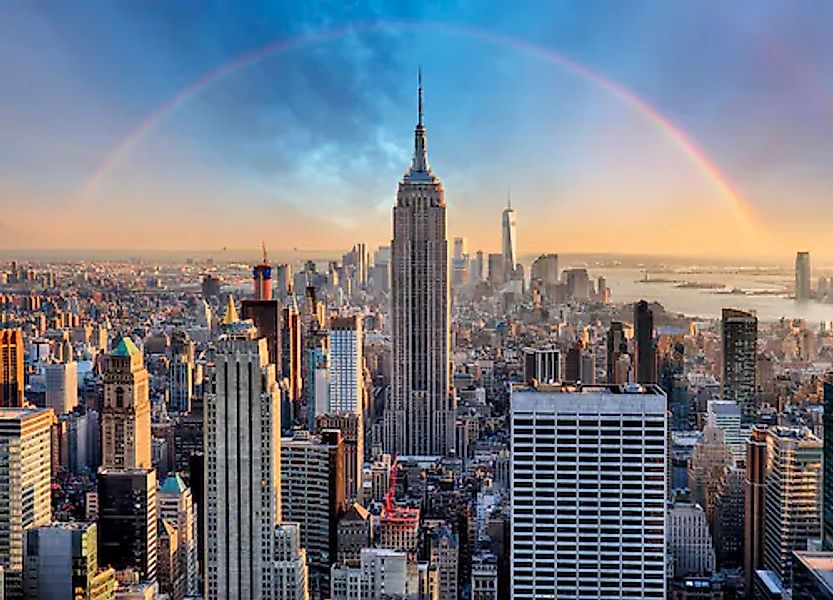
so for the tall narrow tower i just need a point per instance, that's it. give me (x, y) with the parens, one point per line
(419, 418)
(510, 243)
(125, 414)
(262, 277)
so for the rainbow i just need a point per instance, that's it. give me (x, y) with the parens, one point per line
(677, 136)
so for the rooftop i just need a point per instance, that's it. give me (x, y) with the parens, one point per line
(126, 347)
(173, 484)
(820, 564)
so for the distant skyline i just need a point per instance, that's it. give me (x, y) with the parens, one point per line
(699, 129)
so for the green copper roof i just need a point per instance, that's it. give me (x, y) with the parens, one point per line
(173, 484)
(126, 347)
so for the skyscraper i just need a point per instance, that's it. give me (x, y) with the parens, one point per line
(11, 367)
(62, 386)
(588, 474)
(792, 511)
(827, 495)
(740, 351)
(346, 365)
(753, 521)
(62, 562)
(125, 411)
(25, 478)
(419, 418)
(242, 446)
(509, 240)
(176, 506)
(291, 350)
(803, 276)
(617, 347)
(313, 489)
(646, 352)
(127, 520)
(262, 278)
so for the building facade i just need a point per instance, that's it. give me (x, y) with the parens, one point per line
(125, 411)
(419, 418)
(588, 492)
(242, 454)
(25, 480)
(740, 352)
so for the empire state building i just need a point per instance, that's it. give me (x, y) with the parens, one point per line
(419, 416)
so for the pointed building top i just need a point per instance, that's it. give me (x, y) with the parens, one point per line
(126, 347)
(265, 256)
(509, 198)
(419, 76)
(231, 312)
(420, 162)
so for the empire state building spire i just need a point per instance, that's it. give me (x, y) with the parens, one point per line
(420, 162)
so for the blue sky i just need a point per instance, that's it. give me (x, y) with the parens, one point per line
(304, 148)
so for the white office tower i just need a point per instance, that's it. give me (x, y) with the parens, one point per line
(290, 564)
(382, 573)
(690, 542)
(25, 478)
(803, 275)
(346, 385)
(588, 492)
(62, 386)
(242, 453)
(419, 417)
(792, 504)
(176, 505)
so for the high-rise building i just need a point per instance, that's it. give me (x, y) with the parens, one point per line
(545, 269)
(477, 267)
(127, 520)
(181, 372)
(509, 241)
(729, 520)
(25, 479)
(62, 386)
(542, 365)
(266, 316)
(243, 462)
(690, 540)
(753, 522)
(11, 367)
(497, 270)
(588, 492)
(291, 350)
(351, 426)
(419, 419)
(617, 347)
(346, 365)
(313, 487)
(792, 506)
(290, 564)
(578, 283)
(354, 533)
(740, 350)
(381, 573)
(645, 348)
(803, 276)
(444, 554)
(62, 562)
(710, 461)
(125, 411)
(176, 506)
(168, 567)
(827, 494)
(262, 278)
